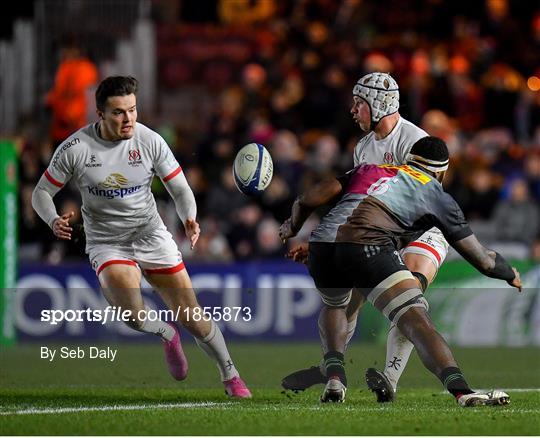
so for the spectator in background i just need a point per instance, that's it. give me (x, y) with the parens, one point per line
(269, 244)
(324, 156)
(517, 219)
(277, 198)
(67, 100)
(212, 245)
(288, 158)
(438, 124)
(242, 236)
(245, 12)
(532, 171)
(482, 194)
(224, 199)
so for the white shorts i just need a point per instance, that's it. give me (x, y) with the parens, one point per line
(155, 253)
(431, 244)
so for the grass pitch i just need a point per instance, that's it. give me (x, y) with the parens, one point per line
(134, 395)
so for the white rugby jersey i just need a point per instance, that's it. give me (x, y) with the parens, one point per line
(114, 179)
(392, 149)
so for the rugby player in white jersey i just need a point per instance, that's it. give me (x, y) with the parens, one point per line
(388, 140)
(112, 163)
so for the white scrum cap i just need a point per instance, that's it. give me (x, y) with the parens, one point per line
(381, 92)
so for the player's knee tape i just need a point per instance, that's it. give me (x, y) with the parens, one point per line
(403, 302)
(387, 283)
(422, 279)
(339, 301)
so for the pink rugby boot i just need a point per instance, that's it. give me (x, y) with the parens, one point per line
(174, 355)
(236, 388)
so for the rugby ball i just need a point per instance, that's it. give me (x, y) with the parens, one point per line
(253, 169)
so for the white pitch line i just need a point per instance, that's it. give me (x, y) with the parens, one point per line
(229, 406)
(522, 389)
(69, 410)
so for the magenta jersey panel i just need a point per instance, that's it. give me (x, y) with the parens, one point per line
(366, 175)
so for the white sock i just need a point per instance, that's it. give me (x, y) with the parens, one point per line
(215, 348)
(160, 328)
(398, 351)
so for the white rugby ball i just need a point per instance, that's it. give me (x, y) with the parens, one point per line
(253, 169)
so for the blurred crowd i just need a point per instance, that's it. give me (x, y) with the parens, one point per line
(281, 73)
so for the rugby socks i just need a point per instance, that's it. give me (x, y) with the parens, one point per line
(398, 351)
(160, 328)
(454, 382)
(351, 327)
(334, 362)
(215, 348)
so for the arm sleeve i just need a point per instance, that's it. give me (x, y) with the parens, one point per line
(183, 197)
(42, 200)
(61, 167)
(165, 164)
(170, 172)
(58, 173)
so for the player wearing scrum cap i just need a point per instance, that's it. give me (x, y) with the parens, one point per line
(112, 163)
(379, 209)
(388, 140)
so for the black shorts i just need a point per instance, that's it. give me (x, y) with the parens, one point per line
(338, 267)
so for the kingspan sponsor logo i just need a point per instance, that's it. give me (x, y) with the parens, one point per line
(114, 186)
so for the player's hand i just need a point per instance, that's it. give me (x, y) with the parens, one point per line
(61, 227)
(516, 282)
(299, 253)
(285, 231)
(192, 231)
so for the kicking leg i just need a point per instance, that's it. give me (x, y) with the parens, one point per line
(121, 287)
(177, 292)
(404, 305)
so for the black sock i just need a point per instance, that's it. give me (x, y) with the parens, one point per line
(335, 365)
(454, 382)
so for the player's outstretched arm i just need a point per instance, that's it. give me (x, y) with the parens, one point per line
(488, 262)
(320, 194)
(186, 207)
(42, 202)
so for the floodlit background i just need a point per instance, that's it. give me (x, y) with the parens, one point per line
(215, 75)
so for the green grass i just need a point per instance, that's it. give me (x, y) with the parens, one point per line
(149, 402)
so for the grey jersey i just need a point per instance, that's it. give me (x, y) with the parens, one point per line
(114, 180)
(390, 205)
(392, 149)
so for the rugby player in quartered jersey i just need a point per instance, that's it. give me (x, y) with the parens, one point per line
(112, 163)
(379, 209)
(388, 140)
